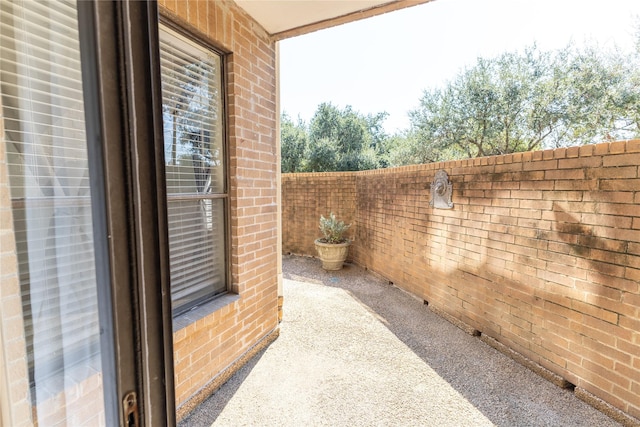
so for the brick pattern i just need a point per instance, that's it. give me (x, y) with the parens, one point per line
(204, 348)
(73, 406)
(541, 252)
(15, 407)
(309, 196)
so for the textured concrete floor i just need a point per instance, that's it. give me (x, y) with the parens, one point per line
(355, 351)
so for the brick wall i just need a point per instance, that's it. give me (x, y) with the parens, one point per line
(306, 196)
(541, 252)
(209, 345)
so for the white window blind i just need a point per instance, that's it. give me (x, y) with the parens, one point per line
(42, 101)
(194, 164)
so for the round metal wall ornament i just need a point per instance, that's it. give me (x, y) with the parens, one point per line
(441, 191)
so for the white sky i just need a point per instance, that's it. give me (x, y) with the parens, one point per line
(386, 62)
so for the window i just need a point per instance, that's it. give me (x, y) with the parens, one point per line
(193, 111)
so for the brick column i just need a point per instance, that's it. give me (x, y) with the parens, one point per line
(279, 186)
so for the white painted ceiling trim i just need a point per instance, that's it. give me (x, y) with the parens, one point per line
(287, 18)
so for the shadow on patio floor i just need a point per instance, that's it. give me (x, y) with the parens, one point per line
(355, 351)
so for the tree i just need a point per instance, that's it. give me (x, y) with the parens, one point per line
(406, 148)
(321, 156)
(344, 140)
(342, 131)
(522, 102)
(293, 141)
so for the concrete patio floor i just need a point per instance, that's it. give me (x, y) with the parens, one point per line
(356, 351)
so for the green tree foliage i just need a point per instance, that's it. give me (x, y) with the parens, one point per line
(522, 102)
(405, 148)
(351, 136)
(321, 156)
(293, 140)
(336, 140)
(512, 103)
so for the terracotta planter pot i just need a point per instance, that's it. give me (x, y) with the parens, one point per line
(332, 255)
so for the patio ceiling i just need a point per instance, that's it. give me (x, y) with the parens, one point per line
(289, 18)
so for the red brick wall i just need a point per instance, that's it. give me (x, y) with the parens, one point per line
(306, 196)
(206, 347)
(541, 252)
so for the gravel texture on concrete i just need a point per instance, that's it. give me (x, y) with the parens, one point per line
(356, 351)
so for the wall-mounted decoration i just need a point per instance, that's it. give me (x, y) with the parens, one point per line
(441, 190)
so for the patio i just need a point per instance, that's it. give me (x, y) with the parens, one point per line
(354, 350)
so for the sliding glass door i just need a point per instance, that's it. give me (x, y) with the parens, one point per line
(50, 198)
(82, 265)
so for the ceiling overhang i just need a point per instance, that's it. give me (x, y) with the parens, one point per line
(289, 18)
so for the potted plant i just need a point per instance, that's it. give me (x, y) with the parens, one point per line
(333, 247)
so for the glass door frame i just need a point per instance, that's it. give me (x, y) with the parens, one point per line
(123, 109)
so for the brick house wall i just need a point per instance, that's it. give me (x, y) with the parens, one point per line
(205, 345)
(541, 252)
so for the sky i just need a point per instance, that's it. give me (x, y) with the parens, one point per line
(386, 62)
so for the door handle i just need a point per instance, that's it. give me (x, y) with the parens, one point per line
(130, 408)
